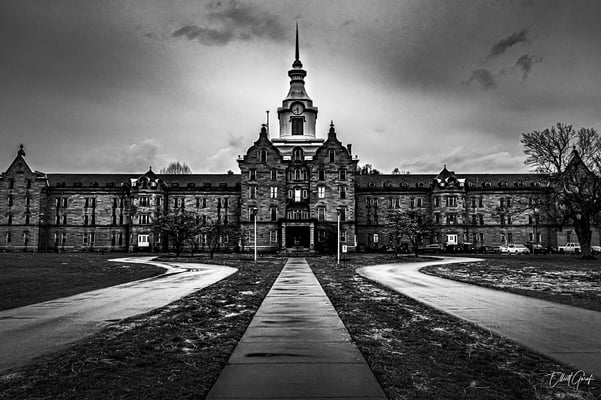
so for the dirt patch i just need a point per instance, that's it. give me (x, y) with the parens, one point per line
(419, 353)
(27, 278)
(176, 352)
(563, 279)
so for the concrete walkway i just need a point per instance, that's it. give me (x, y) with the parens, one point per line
(30, 331)
(568, 334)
(296, 347)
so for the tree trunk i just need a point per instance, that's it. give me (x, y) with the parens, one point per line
(583, 231)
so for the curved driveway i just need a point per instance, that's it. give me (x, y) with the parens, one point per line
(30, 331)
(569, 334)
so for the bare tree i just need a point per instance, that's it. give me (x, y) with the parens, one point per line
(216, 233)
(178, 226)
(571, 161)
(409, 225)
(176, 167)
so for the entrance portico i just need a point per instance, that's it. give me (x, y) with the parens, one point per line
(298, 235)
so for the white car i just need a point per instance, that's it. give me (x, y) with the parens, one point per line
(515, 248)
(595, 249)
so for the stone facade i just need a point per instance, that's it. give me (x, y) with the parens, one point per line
(302, 190)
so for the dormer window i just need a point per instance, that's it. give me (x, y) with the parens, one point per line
(263, 155)
(298, 155)
(332, 155)
(297, 126)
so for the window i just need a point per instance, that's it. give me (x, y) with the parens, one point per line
(451, 201)
(451, 219)
(204, 202)
(321, 192)
(274, 174)
(297, 174)
(509, 220)
(85, 219)
(305, 194)
(263, 155)
(298, 154)
(502, 220)
(375, 238)
(9, 220)
(474, 219)
(473, 203)
(27, 200)
(297, 126)
(25, 239)
(480, 202)
(10, 201)
(501, 203)
(218, 202)
(436, 201)
(332, 155)
(419, 202)
(252, 192)
(273, 236)
(273, 212)
(342, 174)
(11, 183)
(144, 201)
(321, 236)
(144, 219)
(437, 218)
(342, 212)
(8, 237)
(321, 214)
(412, 202)
(297, 195)
(508, 202)
(64, 219)
(510, 237)
(252, 174)
(321, 175)
(225, 202)
(342, 192)
(481, 217)
(343, 236)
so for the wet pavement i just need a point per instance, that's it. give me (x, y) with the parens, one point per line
(568, 334)
(296, 347)
(30, 331)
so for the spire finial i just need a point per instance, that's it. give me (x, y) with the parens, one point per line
(21, 151)
(296, 53)
(297, 63)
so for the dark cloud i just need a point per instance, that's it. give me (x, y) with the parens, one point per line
(231, 21)
(484, 78)
(501, 46)
(525, 63)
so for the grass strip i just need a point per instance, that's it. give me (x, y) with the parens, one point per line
(417, 352)
(562, 279)
(176, 352)
(27, 278)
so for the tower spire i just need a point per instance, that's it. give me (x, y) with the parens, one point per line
(297, 62)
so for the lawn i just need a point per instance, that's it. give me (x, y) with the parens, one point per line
(176, 352)
(417, 352)
(560, 278)
(28, 278)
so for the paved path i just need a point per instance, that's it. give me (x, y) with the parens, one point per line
(569, 334)
(30, 331)
(296, 347)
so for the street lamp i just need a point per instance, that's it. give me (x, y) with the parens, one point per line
(255, 211)
(338, 239)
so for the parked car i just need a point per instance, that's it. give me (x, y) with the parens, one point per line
(515, 248)
(595, 249)
(538, 248)
(489, 249)
(569, 248)
(468, 247)
(431, 248)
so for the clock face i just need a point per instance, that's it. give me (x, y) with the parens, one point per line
(297, 108)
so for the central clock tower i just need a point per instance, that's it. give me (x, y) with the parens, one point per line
(297, 115)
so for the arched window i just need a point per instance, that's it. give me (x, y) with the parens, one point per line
(332, 155)
(263, 155)
(297, 174)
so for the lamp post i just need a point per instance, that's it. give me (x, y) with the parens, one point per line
(338, 239)
(255, 211)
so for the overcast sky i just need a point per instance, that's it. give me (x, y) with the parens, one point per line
(118, 86)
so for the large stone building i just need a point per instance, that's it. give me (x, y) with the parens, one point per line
(301, 188)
